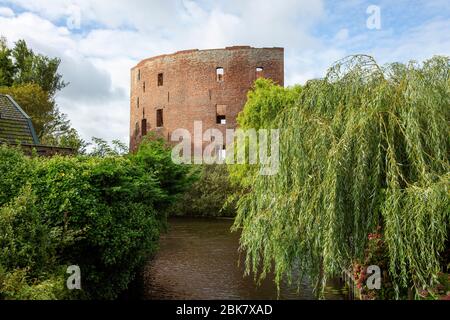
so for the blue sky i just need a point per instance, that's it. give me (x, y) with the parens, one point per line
(113, 35)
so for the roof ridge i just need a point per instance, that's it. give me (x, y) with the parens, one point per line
(17, 117)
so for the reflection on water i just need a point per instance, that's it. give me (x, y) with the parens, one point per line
(198, 259)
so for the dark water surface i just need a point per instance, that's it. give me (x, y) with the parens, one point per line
(198, 259)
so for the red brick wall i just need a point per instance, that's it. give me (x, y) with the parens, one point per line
(191, 91)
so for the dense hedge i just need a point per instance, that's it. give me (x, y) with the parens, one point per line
(102, 214)
(209, 194)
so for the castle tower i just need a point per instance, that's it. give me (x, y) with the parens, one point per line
(170, 92)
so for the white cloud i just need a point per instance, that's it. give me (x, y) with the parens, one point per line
(115, 35)
(6, 12)
(141, 14)
(342, 35)
(97, 60)
(91, 92)
(421, 42)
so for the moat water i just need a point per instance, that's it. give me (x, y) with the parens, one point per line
(199, 259)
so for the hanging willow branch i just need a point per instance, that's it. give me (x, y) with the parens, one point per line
(364, 147)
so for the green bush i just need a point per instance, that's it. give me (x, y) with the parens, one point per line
(108, 205)
(25, 240)
(18, 285)
(208, 196)
(102, 214)
(15, 170)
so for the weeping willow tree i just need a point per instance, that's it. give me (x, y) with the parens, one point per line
(366, 147)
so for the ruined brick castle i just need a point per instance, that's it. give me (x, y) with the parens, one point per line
(169, 92)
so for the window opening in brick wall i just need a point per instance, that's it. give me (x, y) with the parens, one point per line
(259, 72)
(220, 74)
(136, 129)
(160, 118)
(221, 114)
(222, 152)
(144, 127)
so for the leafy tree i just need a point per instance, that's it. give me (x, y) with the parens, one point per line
(363, 151)
(33, 80)
(36, 103)
(265, 102)
(37, 69)
(208, 195)
(154, 155)
(7, 68)
(60, 133)
(101, 148)
(52, 127)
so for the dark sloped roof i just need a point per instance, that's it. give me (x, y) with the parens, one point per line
(15, 124)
